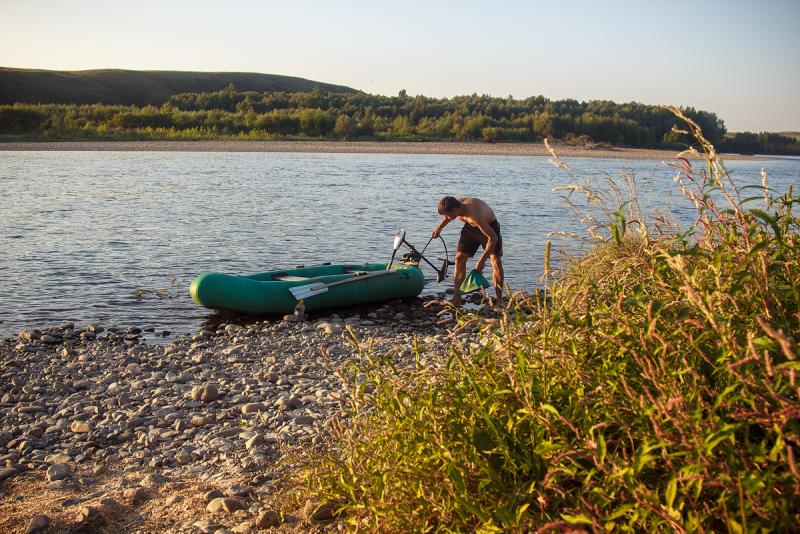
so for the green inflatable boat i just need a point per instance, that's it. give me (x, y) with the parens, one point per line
(320, 286)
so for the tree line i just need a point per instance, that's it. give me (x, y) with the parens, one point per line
(317, 114)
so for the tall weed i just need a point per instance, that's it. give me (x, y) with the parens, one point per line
(656, 389)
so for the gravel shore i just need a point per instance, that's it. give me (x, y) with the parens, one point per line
(394, 147)
(102, 432)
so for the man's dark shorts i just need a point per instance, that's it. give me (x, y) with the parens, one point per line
(471, 238)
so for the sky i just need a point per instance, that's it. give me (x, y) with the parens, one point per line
(738, 59)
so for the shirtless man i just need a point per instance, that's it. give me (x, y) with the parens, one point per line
(480, 229)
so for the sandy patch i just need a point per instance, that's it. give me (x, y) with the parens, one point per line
(170, 508)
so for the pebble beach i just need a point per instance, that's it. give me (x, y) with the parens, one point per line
(105, 432)
(366, 147)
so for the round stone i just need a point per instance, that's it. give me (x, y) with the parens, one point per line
(38, 523)
(268, 519)
(226, 504)
(79, 427)
(205, 393)
(153, 480)
(253, 407)
(58, 472)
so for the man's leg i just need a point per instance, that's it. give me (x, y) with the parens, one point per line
(459, 275)
(497, 278)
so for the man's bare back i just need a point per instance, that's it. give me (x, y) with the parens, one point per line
(475, 212)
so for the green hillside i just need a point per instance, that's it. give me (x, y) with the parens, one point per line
(132, 87)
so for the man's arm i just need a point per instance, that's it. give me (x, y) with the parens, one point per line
(491, 237)
(438, 230)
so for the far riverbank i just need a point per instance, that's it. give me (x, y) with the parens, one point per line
(364, 147)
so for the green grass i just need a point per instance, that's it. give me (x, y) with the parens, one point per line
(656, 391)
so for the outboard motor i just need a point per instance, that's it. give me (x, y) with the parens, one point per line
(414, 256)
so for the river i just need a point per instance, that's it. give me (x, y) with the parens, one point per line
(115, 238)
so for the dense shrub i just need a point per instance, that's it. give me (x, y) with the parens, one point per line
(148, 117)
(316, 122)
(315, 113)
(20, 119)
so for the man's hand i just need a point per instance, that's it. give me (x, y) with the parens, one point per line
(479, 264)
(438, 230)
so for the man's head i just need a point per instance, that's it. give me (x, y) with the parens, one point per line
(447, 205)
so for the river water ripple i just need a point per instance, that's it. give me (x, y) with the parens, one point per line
(116, 237)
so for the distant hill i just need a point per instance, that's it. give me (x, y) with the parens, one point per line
(793, 135)
(134, 87)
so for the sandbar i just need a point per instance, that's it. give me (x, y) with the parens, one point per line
(363, 147)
